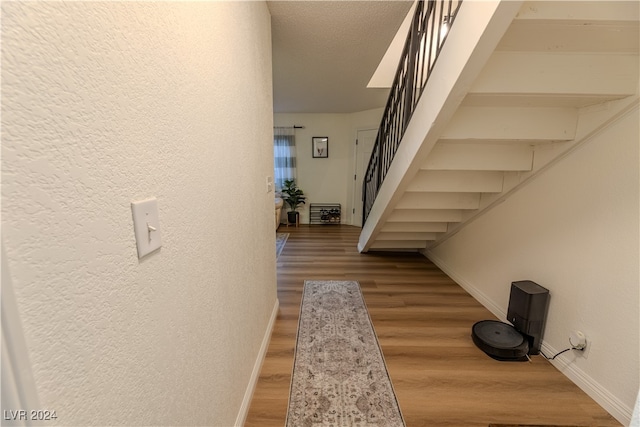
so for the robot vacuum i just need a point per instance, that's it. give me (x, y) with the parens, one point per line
(499, 340)
(528, 304)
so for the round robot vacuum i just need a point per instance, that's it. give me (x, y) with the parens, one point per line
(500, 340)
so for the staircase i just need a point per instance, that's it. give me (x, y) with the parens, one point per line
(517, 86)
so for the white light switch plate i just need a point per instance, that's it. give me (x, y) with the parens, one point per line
(146, 225)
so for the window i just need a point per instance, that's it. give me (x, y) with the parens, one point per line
(284, 155)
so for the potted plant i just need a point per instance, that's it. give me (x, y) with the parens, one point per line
(293, 197)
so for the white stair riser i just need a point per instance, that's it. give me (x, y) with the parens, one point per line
(457, 181)
(540, 73)
(578, 12)
(549, 36)
(439, 201)
(406, 236)
(425, 215)
(418, 227)
(408, 244)
(479, 157)
(509, 123)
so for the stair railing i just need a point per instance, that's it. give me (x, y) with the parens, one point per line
(431, 23)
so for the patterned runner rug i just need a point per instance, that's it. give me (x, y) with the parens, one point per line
(339, 375)
(281, 239)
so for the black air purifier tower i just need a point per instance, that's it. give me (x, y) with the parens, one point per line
(527, 311)
(528, 303)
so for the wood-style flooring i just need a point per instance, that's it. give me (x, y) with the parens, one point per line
(423, 321)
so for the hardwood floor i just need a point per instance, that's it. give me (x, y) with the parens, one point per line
(423, 321)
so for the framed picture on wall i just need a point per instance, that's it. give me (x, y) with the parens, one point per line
(320, 146)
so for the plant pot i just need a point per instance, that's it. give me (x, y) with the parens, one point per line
(292, 217)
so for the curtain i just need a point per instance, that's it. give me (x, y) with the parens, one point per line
(284, 155)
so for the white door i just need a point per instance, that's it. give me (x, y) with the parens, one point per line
(364, 146)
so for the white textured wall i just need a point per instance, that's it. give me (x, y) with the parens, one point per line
(575, 230)
(328, 180)
(106, 103)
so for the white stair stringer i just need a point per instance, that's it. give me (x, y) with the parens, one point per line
(539, 80)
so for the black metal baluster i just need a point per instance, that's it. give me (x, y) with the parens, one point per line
(421, 49)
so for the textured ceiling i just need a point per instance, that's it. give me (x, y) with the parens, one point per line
(325, 52)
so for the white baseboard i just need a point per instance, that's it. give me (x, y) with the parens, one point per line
(255, 375)
(602, 396)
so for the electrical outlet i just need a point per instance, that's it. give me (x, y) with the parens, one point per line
(579, 342)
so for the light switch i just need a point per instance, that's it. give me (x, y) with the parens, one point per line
(269, 184)
(146, 225)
